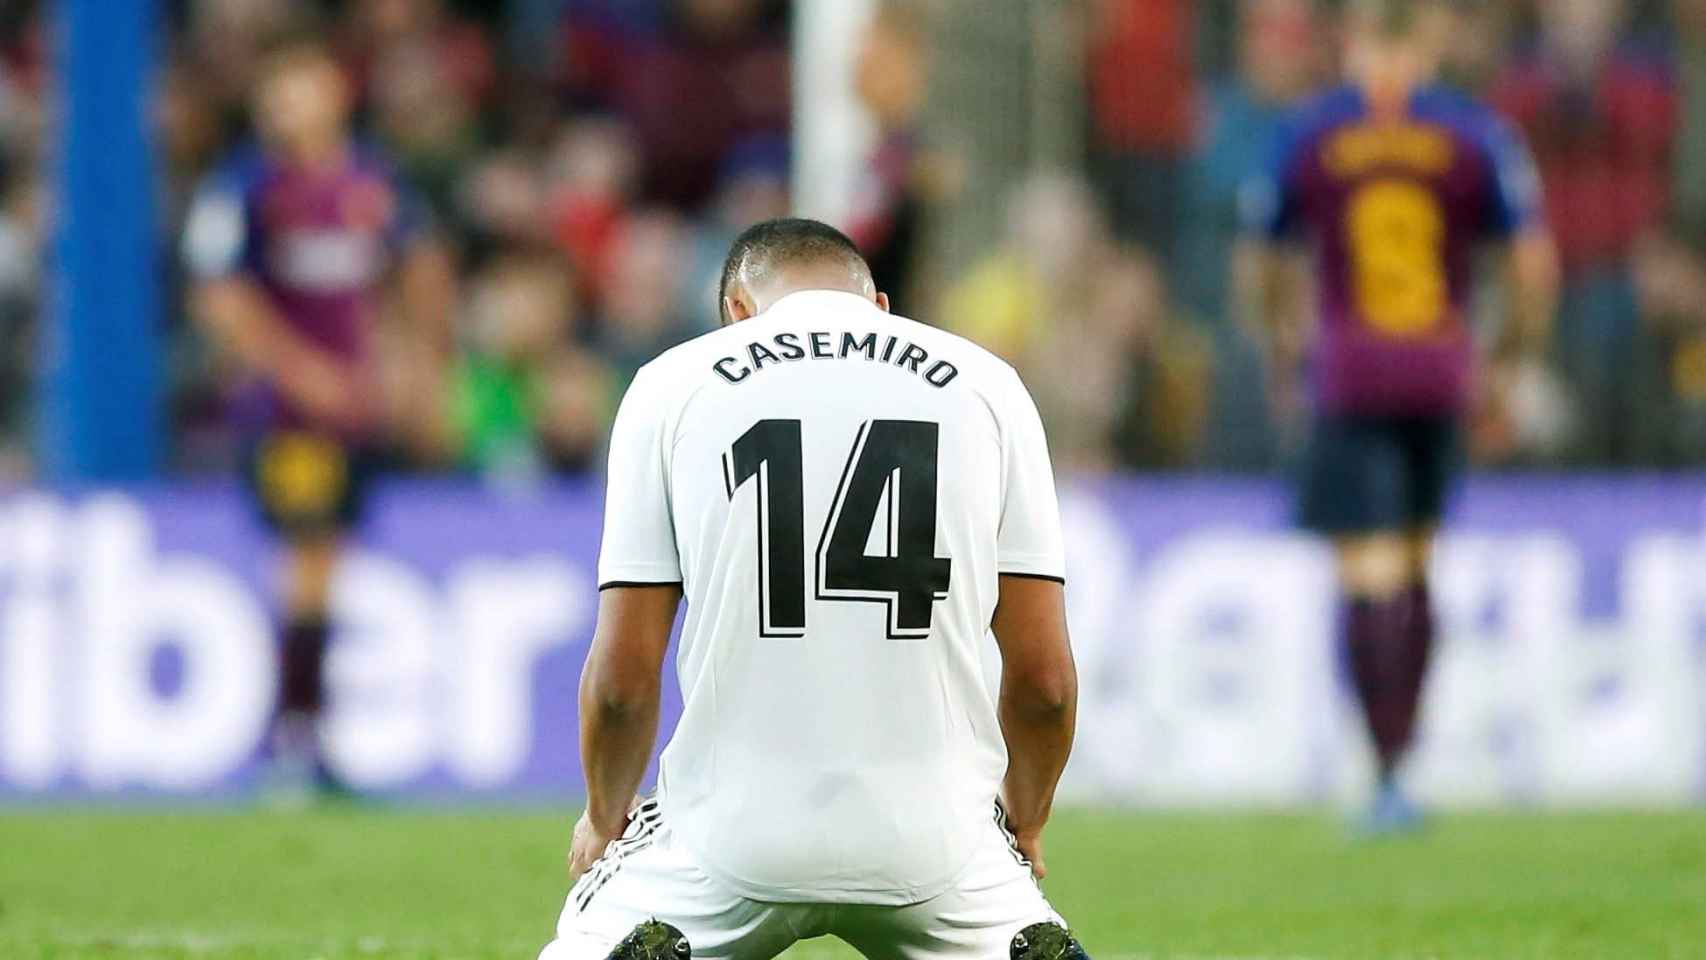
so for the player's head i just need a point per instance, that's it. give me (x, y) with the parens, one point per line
(1394, 46)
(1583, 31)
(772, 259)
(301, 101)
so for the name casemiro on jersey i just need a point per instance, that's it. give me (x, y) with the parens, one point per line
(824, 345)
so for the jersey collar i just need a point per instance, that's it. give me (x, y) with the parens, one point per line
(815, 300)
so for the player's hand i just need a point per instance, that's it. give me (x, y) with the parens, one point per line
(587, 846)
(1030, 845)
(326, 391)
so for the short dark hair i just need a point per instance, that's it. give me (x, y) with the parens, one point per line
(296, 48)
(1394, 19)
(770, 244)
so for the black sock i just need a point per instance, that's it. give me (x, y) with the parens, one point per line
(1373, 636)
(302, 666)
(1414, 656)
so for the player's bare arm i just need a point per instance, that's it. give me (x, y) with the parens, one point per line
(1039, 703)
(619, 693)
(236, 314)
(1272, 283)
(1532, 273)
(426, 284)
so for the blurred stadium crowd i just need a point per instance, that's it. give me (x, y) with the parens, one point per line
(589, 160)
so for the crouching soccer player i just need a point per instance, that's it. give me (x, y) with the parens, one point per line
(1392, 182)
(850, 502)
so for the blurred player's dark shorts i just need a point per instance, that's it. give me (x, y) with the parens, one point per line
(1363, 474)
(306, 483)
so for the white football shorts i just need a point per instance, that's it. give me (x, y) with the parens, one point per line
(647, 875)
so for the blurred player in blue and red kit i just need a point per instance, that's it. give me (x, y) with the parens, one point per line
(292, 243)
(1391, 183)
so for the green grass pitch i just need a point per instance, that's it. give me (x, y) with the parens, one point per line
(373, 884)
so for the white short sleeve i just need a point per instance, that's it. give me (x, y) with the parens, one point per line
(639, 533)
(1029, 541)
(215, 232)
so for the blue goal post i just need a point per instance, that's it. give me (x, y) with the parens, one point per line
(99, 415)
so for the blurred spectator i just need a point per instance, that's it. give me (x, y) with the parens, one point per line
(226, 45)
(596, 34)
(576, 402)
(426, 119)
(752, 185)
(642, 312)
(1672, 265)
(20, 260)
(1171, 365)
(501, 202)
(693, 81)
(1142, 93)
(891, 77)
(1123, 381)
(455, 51)
(591, 178)
(1690, 196)
(1481, 39)
(1008, 301)
(423, 74)
(23, 81)
(20, 236)
(1281, 59)
(23, 75)
(526, 401)
(188, 132)
(1599, 111)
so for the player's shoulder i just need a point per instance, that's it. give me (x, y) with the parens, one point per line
(981, 366)
(240, 171)
(683, 354)
(1313, 119)
(217, 223)
(674, 369)
(1332, 105)
(996, 384)
(674, 375)
(1324, 111)
(1488, 132)
(1448, 105)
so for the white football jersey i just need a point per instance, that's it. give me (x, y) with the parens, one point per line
(836, 489)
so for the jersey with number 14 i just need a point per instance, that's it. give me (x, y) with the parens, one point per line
(1393, 207)
(837, 490)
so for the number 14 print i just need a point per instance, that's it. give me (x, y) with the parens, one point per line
(892, 466)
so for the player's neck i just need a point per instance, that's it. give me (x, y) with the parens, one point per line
(1390, 76)
(832, 281)
(317, 155)
(1388, 93)
(1388, 99)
